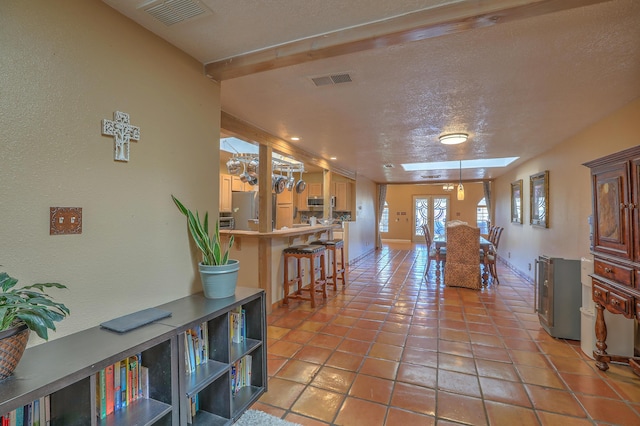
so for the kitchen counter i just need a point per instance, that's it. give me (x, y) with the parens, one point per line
(290, 232)
(261, 259)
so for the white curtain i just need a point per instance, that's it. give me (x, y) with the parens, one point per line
(487, 197)
(382, 197)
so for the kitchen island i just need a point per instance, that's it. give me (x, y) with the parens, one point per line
(261, 259)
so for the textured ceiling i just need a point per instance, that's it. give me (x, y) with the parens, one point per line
(517, 88)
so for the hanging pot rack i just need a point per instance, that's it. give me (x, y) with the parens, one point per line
(277, 165)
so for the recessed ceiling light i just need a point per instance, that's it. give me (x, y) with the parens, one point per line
(295, 138)
(453, 138)
(333, 158)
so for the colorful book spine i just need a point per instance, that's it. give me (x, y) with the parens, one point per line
(102, 392)
(138, 375)
(117, 389)
(109, 388)
(123, 384)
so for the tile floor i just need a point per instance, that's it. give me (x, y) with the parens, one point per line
(396, 348)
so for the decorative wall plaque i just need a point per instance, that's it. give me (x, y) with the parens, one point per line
(123, 133)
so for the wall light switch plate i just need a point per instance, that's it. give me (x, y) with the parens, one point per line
(65, 220)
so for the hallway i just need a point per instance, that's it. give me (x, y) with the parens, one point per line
(395, 348)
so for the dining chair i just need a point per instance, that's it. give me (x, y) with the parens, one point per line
(431, 250)
(492, 254)
(463, 263)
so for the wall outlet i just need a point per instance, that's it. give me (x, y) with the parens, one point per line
(529, 266)
(509, 255)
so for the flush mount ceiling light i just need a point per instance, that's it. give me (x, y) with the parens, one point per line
(453, 138)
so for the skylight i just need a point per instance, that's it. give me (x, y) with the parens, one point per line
(484, 163)
(238, 146)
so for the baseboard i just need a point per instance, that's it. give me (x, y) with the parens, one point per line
(362, 256)
(515, 270)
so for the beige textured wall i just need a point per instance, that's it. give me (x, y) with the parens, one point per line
(569, 192)
(362, 235)
(65, 66)
(400, 200)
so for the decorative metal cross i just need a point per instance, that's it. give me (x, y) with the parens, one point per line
(123, 132)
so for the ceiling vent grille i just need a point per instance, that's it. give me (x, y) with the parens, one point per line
(171, 12)
(327, 80)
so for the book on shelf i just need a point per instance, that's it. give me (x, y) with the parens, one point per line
(237, 325)
(118, 385)
(196, 347)
(241, 374)
(35, 413)
(109, 388)
(117, 388)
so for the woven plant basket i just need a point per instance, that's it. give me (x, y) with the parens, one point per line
(12, 345)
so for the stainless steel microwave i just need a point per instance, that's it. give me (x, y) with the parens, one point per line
(319, 201)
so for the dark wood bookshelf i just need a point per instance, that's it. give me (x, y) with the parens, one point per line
(65, 369)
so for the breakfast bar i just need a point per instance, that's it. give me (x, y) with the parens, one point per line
(261, 258)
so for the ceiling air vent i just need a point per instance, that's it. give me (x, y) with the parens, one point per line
(171, 12)
(326, 80)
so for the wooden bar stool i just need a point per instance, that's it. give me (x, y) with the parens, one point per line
(317, 280)
(337, 268)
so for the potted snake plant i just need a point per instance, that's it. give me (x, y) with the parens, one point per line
(218, 273)
(24, 309)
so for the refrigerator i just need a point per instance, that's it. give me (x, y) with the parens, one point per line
(244, 206)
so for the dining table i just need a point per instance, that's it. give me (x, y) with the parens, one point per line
(440, 241)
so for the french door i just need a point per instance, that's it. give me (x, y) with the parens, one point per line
(432, 210)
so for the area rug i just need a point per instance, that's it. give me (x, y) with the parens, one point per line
(260, 418)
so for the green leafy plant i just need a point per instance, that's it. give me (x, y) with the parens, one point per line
(31, 305)
(209, 244)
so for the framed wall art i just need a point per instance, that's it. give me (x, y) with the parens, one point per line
(539, 193)
(516, 201)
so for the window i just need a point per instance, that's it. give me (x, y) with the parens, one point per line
(384, 220)
(482, 217)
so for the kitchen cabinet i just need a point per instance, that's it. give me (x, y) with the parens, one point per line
(301, 199)
(315, 190)
(615, 184)
(342, 192)
(237, 184)
(285, 197)
(284, 216)
(225, 193)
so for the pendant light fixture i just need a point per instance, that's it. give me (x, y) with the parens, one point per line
(460, 187)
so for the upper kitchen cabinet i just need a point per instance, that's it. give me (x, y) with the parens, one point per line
(237, 184)
(285, 197)
(225, 193)
(302, 198)
(342, 192)
(314, 190)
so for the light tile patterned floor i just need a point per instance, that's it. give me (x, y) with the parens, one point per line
(396, 348)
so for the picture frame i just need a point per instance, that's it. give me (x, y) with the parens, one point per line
(516, 201)
(539, 194)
